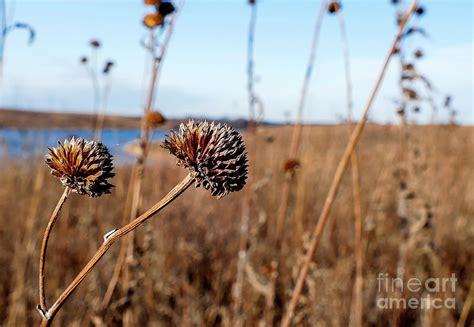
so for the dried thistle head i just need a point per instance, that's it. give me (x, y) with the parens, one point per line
(333, 7)
(153, 20)
(153, 119)
(84, 166)
(214, 154)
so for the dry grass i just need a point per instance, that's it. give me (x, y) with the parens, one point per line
(187, 255)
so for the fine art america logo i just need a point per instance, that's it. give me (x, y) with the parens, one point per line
(436, 293)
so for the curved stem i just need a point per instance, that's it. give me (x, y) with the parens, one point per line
(173, 194)
(343, 164)
(44, 246)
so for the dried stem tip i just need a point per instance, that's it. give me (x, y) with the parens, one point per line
(84, 166)
(333, 7)
(214, 154)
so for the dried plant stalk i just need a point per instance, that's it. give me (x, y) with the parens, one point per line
(44, 245)
(466, 307)
(343, 164)
(358, 224)
(138, 170)
(108, 241)
(292, 161)
(297, 130)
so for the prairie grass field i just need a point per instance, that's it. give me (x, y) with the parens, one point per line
(185, 262)
(240, 163)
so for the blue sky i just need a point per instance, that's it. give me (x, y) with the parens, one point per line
(204, 70)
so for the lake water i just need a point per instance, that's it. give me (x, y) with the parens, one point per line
(19, 142)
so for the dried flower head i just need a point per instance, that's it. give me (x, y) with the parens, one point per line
(214, 154)
(152, 2)
(94, 43)
(83, 60)
(84, 166)
(153, 119)
(419, 53)
(166, 8)
(334, 6)
(420, 11)
(153, 20)
(291, 165)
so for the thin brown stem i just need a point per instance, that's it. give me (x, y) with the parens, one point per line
(358, 224)
(123, 248)
(139, 167)
(108, 241)
(297, 130)
(343, 164)
(44, 246)
(466, 307)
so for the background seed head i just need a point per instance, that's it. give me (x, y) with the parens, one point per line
(82, 165)
(214, 154)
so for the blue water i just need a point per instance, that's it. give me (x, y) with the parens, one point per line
(21, 142)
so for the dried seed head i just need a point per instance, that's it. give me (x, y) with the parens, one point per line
(419, 53)
(214, 154)
(153, 20)
(83, 60)
(333, 7)
(152, 2)
(420, 11)
(166, 8)
(291, 165)
(154, 119)
(84, 166)
(94, 43)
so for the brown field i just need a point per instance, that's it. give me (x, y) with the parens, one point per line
(184, 269)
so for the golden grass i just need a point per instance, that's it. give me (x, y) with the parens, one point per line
(187, 255)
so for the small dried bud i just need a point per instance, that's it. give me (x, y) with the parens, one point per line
(291, 165)
(94, 43)
(420, 11)
(153, 119)
(84, 166)
(334, 6)
(410, 93)
(166, 8)
(419, 54)
(152, 2)
(83, 60)
(214, 154)
(408, 66)
(252, 2)
(153, 20)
